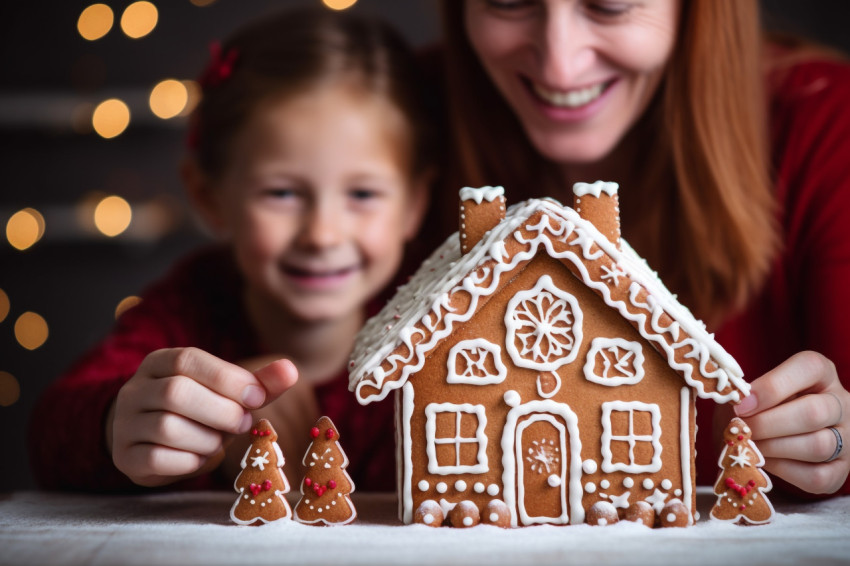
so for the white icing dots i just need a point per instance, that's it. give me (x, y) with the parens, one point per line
(734, 430)
(494, 517)
(666, 484)
(554, 480)
(442, 487)
(424, 485)
(512, 398)
(671, 517)
(478, 487)
(428, 519)
(589, 466)
(590, 487)
(493, 489)
(467, 521)
(460, 485)
(678, 492)
(628, 483)
(604, 484)
(648, 483)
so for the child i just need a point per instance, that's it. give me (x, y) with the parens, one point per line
(310, 162)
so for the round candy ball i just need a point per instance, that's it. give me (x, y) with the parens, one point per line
(464, 514)
(674, 514)
(601, 513)
(640, 512)
(429, 513)
(496, 513)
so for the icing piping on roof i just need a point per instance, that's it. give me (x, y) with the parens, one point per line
(479, 194)
(595, 189)
(427, 297)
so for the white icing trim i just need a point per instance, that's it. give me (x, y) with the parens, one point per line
(595, 189)
(431, 412)
(633, 356)
(407, 487)
(479, 194)
(427, 298)
(476, 352)
(543, 312)
(685, 447)
(630, 406)
(513, 490)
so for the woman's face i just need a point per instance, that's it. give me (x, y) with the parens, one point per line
(577, 73)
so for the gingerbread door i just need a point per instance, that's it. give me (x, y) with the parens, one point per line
(543, 466)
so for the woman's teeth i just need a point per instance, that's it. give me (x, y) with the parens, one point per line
(571, 98)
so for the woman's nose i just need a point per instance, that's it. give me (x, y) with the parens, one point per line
(566, 47)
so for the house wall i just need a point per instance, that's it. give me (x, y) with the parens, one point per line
(570, 421)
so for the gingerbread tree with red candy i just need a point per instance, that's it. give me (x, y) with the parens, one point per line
(261, 483)
(741, 485)
(326, 486)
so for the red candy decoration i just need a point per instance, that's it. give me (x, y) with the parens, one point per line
(329, 434)
(314, 432)
(308, 482)
(332, 484)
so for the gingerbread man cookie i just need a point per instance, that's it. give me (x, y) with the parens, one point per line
(261, 483)
(741, 485)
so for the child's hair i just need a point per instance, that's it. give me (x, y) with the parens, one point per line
(291, 52)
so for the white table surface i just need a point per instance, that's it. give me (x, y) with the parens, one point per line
(194, 528)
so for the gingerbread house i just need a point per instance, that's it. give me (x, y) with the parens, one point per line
(537, 361)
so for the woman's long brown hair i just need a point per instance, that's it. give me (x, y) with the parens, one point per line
(705, 213)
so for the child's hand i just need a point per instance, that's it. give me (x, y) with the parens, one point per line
(172, 417)
(791, 410)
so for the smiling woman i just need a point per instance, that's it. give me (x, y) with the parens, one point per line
(731, 150)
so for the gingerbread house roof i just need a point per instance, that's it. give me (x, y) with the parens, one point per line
(451, 286)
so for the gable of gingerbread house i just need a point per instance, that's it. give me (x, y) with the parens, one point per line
(492, 247)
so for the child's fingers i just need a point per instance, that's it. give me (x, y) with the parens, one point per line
(154, 464)
(193, 400)
(806, 371)
(814, 447)
(177, 432)
(277, 377)
(812, 477)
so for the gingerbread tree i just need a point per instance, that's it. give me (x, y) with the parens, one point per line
(741, 485)
(261, 483)
(326, 485)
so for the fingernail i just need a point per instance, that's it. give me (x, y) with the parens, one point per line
(747, 405)
(247, 422)
(253, 396)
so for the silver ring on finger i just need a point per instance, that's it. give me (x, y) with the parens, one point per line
(839, 444)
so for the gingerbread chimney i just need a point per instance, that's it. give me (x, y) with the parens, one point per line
(481, 210)
(599, 204)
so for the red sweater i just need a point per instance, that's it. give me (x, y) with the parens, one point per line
(798, 309)
(196, 304)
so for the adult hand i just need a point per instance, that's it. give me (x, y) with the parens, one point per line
(171, 419)
(791, 411)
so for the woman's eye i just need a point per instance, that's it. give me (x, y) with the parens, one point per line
(609, 10)
(510, 6)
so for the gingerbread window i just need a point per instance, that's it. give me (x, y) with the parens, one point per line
(614, 361)
(456, 443)
(477, 362)
(630, 437)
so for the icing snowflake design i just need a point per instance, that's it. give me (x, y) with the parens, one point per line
(543, 456)
(469, 361)
(742, 458)
(260, 461)
(546, 323)
(612, 275)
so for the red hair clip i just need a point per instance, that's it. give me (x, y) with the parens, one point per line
(220, 66)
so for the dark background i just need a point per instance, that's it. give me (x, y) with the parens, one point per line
(75, 279)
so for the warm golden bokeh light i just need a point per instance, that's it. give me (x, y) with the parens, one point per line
(168, 98)
(112, 215)
(126, 304)
(193, 96)
(95, 21)
(31, 330)
(25, 228)
(339, 4)
(139, 19)
(110, 118)
(4, 305)
(10, 389)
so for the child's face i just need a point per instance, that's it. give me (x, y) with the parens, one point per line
(318, 201)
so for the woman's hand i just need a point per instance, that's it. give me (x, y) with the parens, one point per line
(171, 419)
(791, 411)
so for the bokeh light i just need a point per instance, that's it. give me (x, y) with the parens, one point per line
(110, 118)
(95, 21)
(139, 19)
(112, 215)
(31, 330)
(339, 4)
(168, 98)
(25, 228)
(10, 389)
(4, 305)
(193, 94)
(126, 304)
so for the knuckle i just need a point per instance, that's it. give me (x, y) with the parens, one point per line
(822, 479)
(815, 363)
(817, 412)
(184, 360)
(823, 444)
(175, 391)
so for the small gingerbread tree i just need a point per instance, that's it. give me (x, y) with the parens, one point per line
(741, 485)
(261, 484)
(326, 486)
